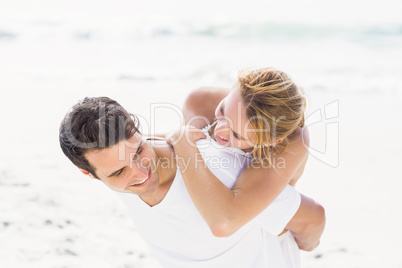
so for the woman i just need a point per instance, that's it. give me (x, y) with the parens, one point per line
(263, 115)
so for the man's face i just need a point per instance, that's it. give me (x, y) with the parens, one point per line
(127, 167)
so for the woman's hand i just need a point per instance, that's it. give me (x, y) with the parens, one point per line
(186, 151)
(184, 136)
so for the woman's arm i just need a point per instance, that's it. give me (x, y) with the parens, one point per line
(226, 210)
(199, 106)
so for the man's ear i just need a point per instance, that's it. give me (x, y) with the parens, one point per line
(87, 173)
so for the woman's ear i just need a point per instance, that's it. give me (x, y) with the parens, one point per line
(277, 142)
(87, 173)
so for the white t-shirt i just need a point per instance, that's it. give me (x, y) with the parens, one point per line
(179, 236)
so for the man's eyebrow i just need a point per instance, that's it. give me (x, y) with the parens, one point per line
(234, 132)
(117, 171)
(139, 147)
(114, 173)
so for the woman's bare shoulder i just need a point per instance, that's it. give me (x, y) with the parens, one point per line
(299, 140)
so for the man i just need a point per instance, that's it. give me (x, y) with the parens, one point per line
(102, 139)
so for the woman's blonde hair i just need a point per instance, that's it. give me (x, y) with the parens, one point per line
(275, 107)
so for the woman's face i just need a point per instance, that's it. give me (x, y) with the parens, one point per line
(233, 128)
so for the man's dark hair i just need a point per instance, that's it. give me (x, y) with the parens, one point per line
(94, 124)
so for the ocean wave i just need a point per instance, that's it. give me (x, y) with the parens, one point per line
(266, 30)
(7, 35)
(84, 35)
(228, 30)
(385, 30)
(274, 30)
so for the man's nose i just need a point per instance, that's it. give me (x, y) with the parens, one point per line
(139, 169)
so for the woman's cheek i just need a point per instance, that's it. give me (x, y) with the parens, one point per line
(222, 130)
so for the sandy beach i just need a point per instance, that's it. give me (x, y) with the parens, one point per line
(52, 55)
